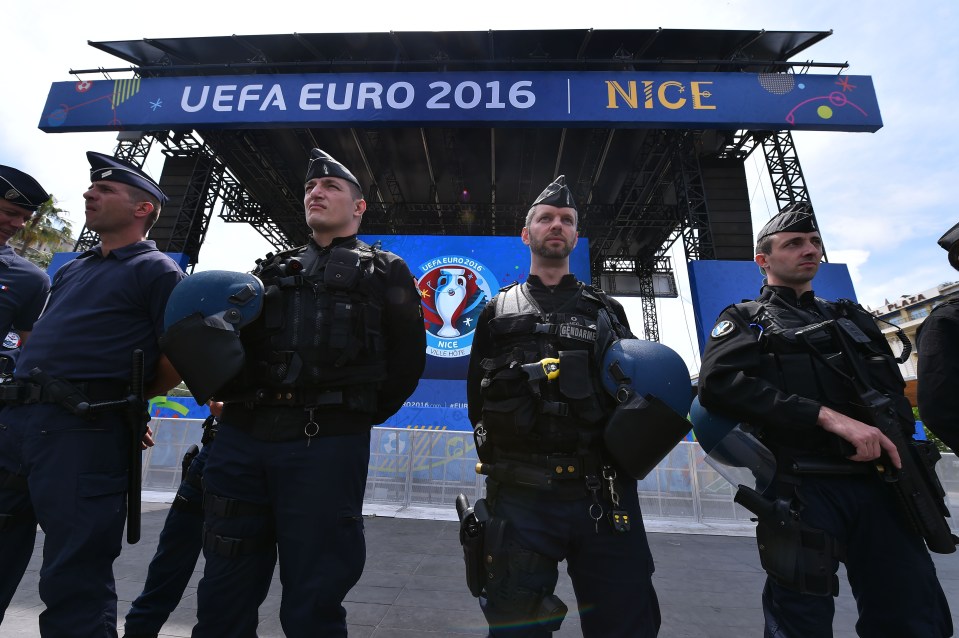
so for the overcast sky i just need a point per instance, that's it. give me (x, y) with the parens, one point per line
(882, 199)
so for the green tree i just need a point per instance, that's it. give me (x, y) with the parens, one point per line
(47, 226)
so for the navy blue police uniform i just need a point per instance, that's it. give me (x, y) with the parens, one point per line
(756, 370)
(70, 471)
(938, 350)
(23, 286)
(553, 489)
(338, 347)
(23, 291)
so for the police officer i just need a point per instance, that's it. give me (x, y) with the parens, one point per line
(338, 347)
(68, 471)
(938, 349)
(178, 549)
(25, 286)
(538, 409)
(759, 368)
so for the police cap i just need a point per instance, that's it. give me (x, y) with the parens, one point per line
(322, 164)
(19, 188)
(557, 194)
(950, 243)
(795, 218)
(110, 169)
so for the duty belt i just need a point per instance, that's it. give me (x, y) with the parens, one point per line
(22, 392)
(288, 398)
(289, 423)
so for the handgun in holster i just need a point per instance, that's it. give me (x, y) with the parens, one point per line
(192, 452)
(473, 522)
(794, 554)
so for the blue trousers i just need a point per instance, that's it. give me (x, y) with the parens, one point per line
(611, 571)
(178, 550)
(891, 575)
(307, 505)
(76, 471)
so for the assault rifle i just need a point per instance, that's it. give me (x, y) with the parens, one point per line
(916, 485)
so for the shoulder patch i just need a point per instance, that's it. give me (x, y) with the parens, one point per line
(723, 328)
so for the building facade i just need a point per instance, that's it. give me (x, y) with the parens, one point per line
(907, 314)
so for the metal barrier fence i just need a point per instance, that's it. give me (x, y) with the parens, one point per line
(428, 468)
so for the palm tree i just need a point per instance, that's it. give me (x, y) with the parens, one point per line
(47, 226)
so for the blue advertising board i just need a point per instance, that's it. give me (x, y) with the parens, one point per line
(773, 101)
(456, 277)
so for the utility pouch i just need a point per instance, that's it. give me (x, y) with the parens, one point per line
(342, 271)
(577, 388)
(641, 432)
(795, 555)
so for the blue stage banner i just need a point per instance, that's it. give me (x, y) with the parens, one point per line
(774, 101)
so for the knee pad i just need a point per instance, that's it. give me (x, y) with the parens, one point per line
(219, 507)
(520, 588)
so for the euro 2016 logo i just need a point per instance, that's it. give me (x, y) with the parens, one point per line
(454, 291)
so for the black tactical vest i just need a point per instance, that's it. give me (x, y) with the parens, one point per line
(788, 363)
(320, 338)
(524, 410)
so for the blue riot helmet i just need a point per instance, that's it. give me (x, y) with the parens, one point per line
(650, 383)
(648, 367)
(732, 449)
(202, 325)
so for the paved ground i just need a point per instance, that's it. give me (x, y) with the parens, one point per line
(413, 586)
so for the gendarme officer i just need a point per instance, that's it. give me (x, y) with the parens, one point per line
(938, 348)
(781, 365)
(538, 406)
(338, 348)
(69, 468)
(25, 286)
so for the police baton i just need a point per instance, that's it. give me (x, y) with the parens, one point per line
(136, 422)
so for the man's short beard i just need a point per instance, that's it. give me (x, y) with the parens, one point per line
(544, 250)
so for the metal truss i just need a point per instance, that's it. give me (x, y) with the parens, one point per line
(270, 187)
(199, 198)
(397, 206)
(785, 172)
(238, 206)
(691, 199)
(782, 162)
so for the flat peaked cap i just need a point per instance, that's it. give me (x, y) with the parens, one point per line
(950, 243)
(557, 194)
(110, 169)
(322, 164)
(19, 188)
(795, 218)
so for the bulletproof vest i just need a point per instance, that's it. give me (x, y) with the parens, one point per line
(320, 329)
(788, 364)
(523, 409)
